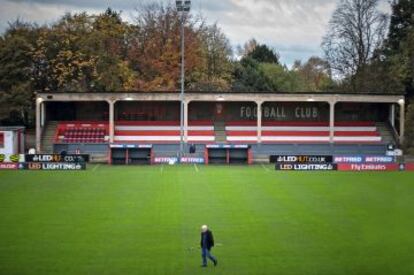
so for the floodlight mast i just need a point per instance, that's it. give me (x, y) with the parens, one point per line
(183, 8)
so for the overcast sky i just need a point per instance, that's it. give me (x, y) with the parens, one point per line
(293, 27)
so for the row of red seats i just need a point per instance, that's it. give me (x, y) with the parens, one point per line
(85, 130)
(84, 140)
(86, 134)
(83, 135)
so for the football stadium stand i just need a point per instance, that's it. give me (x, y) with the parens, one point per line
(266, 123)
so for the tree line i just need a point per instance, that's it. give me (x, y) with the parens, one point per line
(365, 51)
(99, 53)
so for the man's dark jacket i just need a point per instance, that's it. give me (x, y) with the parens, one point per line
(209, 239)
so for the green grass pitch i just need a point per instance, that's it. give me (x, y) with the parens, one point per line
(146, 220)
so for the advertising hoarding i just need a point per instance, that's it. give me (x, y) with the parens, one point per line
(14, 158)
(305, 166)
(190, 160)
(227, 146)
(55, 166)
(379, 159)
(131, 146)
(9, 166)
(56, 158)
(368, 166)
(174, 160)
(409, 166)
(168, 160)
(364, 159)
(300, 159)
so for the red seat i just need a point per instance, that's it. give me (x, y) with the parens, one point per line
(82, 132)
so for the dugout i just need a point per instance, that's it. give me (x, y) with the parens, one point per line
(228, 154)
(130, 154)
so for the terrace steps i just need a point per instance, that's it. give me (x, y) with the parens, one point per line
(386, 131)
(220, 132)
(48, 136)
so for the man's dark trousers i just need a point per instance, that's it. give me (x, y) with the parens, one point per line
(205, 253)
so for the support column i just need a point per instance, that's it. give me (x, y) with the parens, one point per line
(43, 115)
(38, 125)
(111, 121)
(259, 121)
(392, 115)
(331, 121)
(402, 122)
(185, 118)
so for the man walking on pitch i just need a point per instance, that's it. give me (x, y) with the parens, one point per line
(206, 243)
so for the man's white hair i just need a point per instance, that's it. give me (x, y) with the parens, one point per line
(204, 228)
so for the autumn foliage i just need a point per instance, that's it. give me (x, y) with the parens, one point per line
(154, 50)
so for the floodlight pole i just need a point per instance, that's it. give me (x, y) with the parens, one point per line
(182, 7)
(182, 88)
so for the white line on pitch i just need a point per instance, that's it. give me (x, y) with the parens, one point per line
(264, 167)
(195, 167)
(96, 167)
(162, 168)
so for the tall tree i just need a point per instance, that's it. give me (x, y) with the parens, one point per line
(61, 57)
(84, 53)
(247, 48)
(154, 50)
(248, 77)
(399, 44)
(264, 54)
(315, 73)
(281, 79)
(16, 71)
(109, 41)
(409, 126)
(356, 29)
(402, 21)
(217, 54)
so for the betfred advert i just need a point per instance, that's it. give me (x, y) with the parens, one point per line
(300, 159)
(192, 160)
(305, 167)
(55, 166)
(174, 160)
(364, 159)
(163, 160)
(368, 167)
